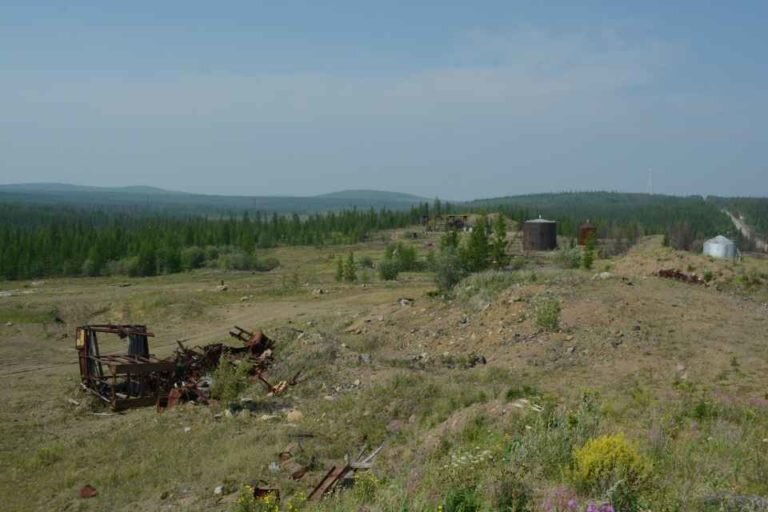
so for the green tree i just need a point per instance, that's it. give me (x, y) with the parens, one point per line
(339, 269)
(350, 270)
(475, 255)
(499, 255)
(448, 270)
(589, 252)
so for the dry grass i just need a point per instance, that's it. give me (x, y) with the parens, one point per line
(678, 368)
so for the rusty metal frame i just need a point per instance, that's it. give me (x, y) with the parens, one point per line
(122, 380)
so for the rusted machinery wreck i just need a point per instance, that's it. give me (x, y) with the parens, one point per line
(137, 378)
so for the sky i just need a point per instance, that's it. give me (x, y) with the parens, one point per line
(455, 99)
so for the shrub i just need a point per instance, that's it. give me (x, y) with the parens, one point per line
(448, 270)
(547, 311)
(513, 495)
(366, 262)
(366, 485)
(350, 269)
(247, 503)
(611, 464)
(462, 500)
(568, 258)
(483, 287)
(229, 380)
(708, 275)
(388, 270)
(517, 263)
(589, 252)
(192, 257)
(339, 269)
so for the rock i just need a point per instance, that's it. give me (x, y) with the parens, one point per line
(364, 358)
(88, 491)
(603, 275)
(187, 430)
(571, 350)
(244, 298)
(616, 343)
(218, 490)
(356, 383)
(394, 426)
(294, 416)
(404, 301)
(9, 324)
(222, 288)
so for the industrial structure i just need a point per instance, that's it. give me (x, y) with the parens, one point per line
(586, 230)
(539, 235)
(720, 247)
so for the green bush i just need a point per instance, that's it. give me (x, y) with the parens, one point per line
(448, 270)
(366, 262)
(229, 380)
(547, 312)
(513, 495)
(568, 258)
(388, 270)
(192, 257)
(462, 500)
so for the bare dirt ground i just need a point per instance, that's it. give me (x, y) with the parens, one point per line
(368, 357)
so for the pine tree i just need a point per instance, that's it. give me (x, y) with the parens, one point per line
(475, 255)
(589, 252)
(499, 254)
(339, 269)
(350, 272)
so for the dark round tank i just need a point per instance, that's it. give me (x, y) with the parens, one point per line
(585, 231)
(540, 235)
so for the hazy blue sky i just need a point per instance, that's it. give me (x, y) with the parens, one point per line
(457, 99)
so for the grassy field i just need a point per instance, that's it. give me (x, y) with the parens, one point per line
(648, 393)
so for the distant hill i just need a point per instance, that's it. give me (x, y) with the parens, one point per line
(373, 195)
(157, 199)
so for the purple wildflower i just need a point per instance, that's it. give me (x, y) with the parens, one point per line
(572, 504)
(591, 508)
(606, 507)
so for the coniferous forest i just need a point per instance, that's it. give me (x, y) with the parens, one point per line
(39, 241)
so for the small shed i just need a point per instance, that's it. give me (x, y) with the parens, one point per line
(539, 235)
(720, 247)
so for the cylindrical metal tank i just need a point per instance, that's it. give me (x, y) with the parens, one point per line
(585, 231)
(539, 235)
(720, 247)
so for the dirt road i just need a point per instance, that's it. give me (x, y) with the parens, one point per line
(745, 230)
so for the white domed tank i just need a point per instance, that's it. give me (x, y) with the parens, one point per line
(720, 247)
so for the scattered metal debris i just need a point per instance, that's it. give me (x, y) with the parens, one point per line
(139, 379)
(134, 379)
(680, 276)
(342, 473)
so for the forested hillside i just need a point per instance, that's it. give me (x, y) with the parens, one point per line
(754, 210)
(684, 220)
(38, 241)
(167, 202)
